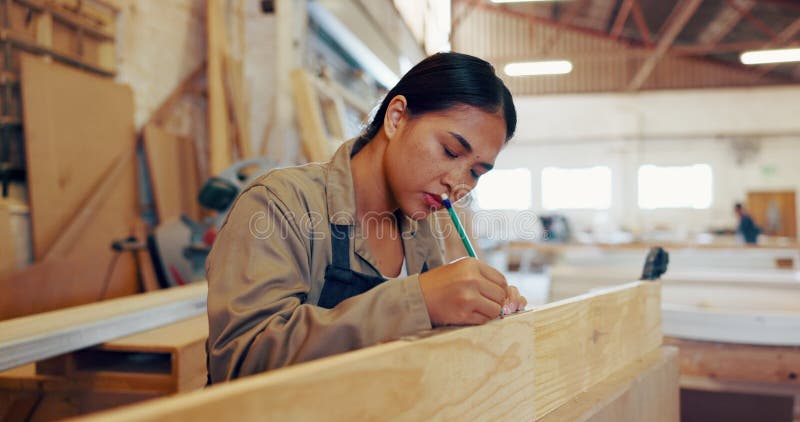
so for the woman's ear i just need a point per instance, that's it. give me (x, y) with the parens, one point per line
(395, 113)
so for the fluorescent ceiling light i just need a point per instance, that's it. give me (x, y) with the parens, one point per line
(554, 67)
(771, 56)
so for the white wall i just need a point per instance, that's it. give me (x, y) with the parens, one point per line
(672, 114)
(664, 128)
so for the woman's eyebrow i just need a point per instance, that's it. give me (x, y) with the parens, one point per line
(467, 146)
(464, 143)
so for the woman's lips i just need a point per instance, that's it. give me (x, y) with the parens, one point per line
(433, 201)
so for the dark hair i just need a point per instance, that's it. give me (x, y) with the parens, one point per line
(444, 80)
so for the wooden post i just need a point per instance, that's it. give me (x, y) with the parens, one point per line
(218, 130)
(309, 117)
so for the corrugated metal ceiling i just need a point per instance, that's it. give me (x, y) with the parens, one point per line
(611, 41)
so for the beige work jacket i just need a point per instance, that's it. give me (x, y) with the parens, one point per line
(266, 271)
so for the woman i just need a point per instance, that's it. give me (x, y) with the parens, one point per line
(329, 257)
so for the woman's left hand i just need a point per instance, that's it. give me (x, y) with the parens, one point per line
(514, 301)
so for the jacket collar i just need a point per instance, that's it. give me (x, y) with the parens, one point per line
(341, 201)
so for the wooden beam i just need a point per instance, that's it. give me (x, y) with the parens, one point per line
(684, 11)
(309, 117)
(732, 362)
(646, 390)
(524, 366)
(622, 17)
(221, 154)
(237, 104)
(32, 338)
(172, 165)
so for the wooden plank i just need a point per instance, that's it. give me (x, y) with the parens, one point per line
(173, 173)
(645, 390)
(739, 362)
(168, 360)
(238, 105)
(46, 323)
(523, 366)
(184, 341)
(218, 131)
(309, 117)
(88, 325)
(75, 125)
(574, 336)
(163, 339)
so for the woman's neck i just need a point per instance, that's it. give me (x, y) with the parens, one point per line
(369, 179)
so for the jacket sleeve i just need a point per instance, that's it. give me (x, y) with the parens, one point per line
(259, 274)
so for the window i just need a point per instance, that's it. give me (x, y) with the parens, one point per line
(504, 190)
(588, 188)
(675, 187)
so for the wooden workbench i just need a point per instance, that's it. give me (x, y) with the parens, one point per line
(154, 363)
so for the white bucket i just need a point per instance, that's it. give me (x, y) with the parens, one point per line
(20, 222)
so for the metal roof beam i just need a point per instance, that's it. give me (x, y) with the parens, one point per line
(758, 23)
(622, 17)
(723, 24)
(641, 23)
(683, 11)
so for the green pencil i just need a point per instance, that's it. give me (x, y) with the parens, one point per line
(459, 228)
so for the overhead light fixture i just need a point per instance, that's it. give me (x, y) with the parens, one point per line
(552, 67)
(784, 55)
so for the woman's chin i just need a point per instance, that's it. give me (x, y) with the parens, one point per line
(418, 213)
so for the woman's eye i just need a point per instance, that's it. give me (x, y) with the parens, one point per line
(449, 153)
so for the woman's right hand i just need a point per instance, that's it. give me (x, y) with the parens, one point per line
(464, 292)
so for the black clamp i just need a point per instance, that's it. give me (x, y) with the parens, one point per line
(655, 264)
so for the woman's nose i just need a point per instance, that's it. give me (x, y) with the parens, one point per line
(457, 184)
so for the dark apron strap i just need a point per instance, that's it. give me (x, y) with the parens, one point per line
(341, 283)
(340, 242)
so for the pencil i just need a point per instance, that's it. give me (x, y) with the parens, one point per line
(459, 228)
(462, 234)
